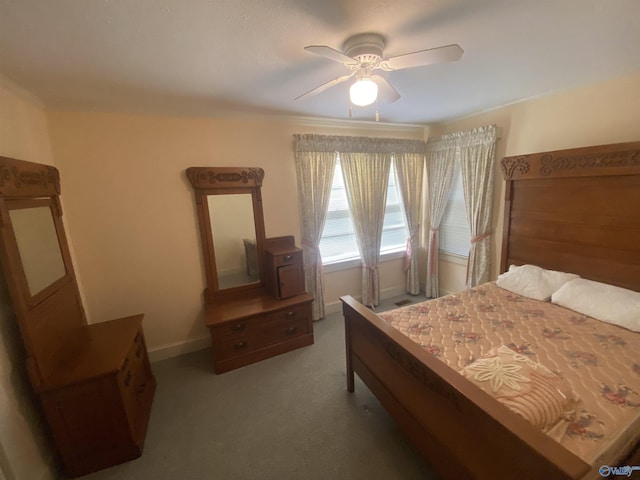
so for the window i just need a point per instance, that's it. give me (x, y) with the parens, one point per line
(455, 236)
(338, 241)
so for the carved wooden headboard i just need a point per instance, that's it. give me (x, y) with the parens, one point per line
(577, 211)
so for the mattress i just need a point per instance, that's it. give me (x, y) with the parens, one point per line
(600, 361)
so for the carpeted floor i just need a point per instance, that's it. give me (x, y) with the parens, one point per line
(289, 417)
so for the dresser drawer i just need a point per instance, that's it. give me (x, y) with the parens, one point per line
(282, 330)
(236, 328)
(285, 324)
(134, 379)
(235, 338)
(293, 313)
(132, 363)
(233, 347)
(288, 258)
(246, 329)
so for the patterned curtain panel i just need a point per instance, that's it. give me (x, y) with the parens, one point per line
(477, 164)
(365, 162)
(366, 176)
(314, 169)
(409, 171)
(441, 156)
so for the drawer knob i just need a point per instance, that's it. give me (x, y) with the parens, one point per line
(291, 313)
(238, 327)
(286, 258)
(240, 345)
(290, 331)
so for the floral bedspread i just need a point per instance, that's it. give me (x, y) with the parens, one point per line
(600, 361)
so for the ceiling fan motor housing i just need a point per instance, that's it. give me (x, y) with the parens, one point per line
(362, 54)
(367, 48)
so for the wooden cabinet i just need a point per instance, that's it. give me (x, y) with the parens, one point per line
(94, 381)
(266, 315)
(284, 269)
(256, 326)
(98, 399)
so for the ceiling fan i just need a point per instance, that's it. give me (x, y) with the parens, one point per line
(363, 55)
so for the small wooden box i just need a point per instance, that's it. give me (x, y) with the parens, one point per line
(284, 270)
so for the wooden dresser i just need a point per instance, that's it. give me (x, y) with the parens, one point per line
(256, 326)
(94, 382)
(98, 398)
(255, 302)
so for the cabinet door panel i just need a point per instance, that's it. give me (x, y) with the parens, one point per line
(291, 280)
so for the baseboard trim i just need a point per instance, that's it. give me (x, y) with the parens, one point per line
(336, 307)
(177, 349)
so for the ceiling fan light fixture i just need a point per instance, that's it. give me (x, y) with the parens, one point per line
(363, 92)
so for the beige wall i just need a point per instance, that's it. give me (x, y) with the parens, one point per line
(24, 451)
(131, 219)
(607, 112)
(131, 213)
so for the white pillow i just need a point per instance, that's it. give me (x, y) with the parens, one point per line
(608, 303)
(533, 282)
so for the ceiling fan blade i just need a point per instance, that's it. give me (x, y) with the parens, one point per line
(325, 86)
(386, 92)
(331, 54)
(448, 53)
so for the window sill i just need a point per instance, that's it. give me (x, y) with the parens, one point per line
(453, 258)
(356, 262)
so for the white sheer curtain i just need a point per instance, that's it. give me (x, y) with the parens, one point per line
(366, 176)
(315, 164)
(409, 168)
(365, 163)
(441, 155)
(477, 165)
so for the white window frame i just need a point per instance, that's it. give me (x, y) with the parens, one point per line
(454, 231)
(354, 260)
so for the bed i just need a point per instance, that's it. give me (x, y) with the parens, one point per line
(574, 210)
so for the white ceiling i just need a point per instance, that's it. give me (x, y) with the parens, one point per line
(204, 57)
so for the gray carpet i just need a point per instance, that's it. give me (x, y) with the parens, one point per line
(289, 417)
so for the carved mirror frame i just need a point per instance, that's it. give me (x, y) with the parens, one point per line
(25, 185)
(45, 316)
(208, 181)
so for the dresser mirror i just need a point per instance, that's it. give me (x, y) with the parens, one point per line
(229, 205)
(38, 246)
(37, 261)
(233, 230)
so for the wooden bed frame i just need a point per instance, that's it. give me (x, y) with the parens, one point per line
(572, 210)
